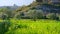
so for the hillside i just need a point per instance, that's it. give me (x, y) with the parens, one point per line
(26, 8)
(36, 5)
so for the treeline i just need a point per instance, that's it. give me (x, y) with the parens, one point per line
(31, 11)
(5, 13)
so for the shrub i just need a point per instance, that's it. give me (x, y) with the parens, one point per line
(39, 14)
(32, 14)
(53, 16)
(44, 17)
(35, 14)
(4, 16)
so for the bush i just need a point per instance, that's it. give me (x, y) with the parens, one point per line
(35, 14)
(39, 14)
(44, 17)
(32, 14)
(53, 16)
(18, 17)
(3, 16)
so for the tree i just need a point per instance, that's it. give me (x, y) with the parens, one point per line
(19, 15)
(32, 14)
(39, 14)
(7, 11)
(2, 14)
(53, 16)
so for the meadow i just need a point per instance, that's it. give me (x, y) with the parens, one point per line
(26, 26)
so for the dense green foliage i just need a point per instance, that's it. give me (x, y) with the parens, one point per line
(4, 26)
(31, 19)
(26, 26)
(53, 16)
(22, 12)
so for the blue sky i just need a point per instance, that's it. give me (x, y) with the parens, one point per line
(17, 2)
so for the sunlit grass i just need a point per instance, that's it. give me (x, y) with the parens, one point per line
(34, 27)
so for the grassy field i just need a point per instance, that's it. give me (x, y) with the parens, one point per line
(26, 26)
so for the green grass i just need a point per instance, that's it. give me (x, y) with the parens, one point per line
(26, 26)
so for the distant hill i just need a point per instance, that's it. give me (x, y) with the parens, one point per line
(10, 7)
(41, 6)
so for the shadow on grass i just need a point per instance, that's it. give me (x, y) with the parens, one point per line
(4, 27)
